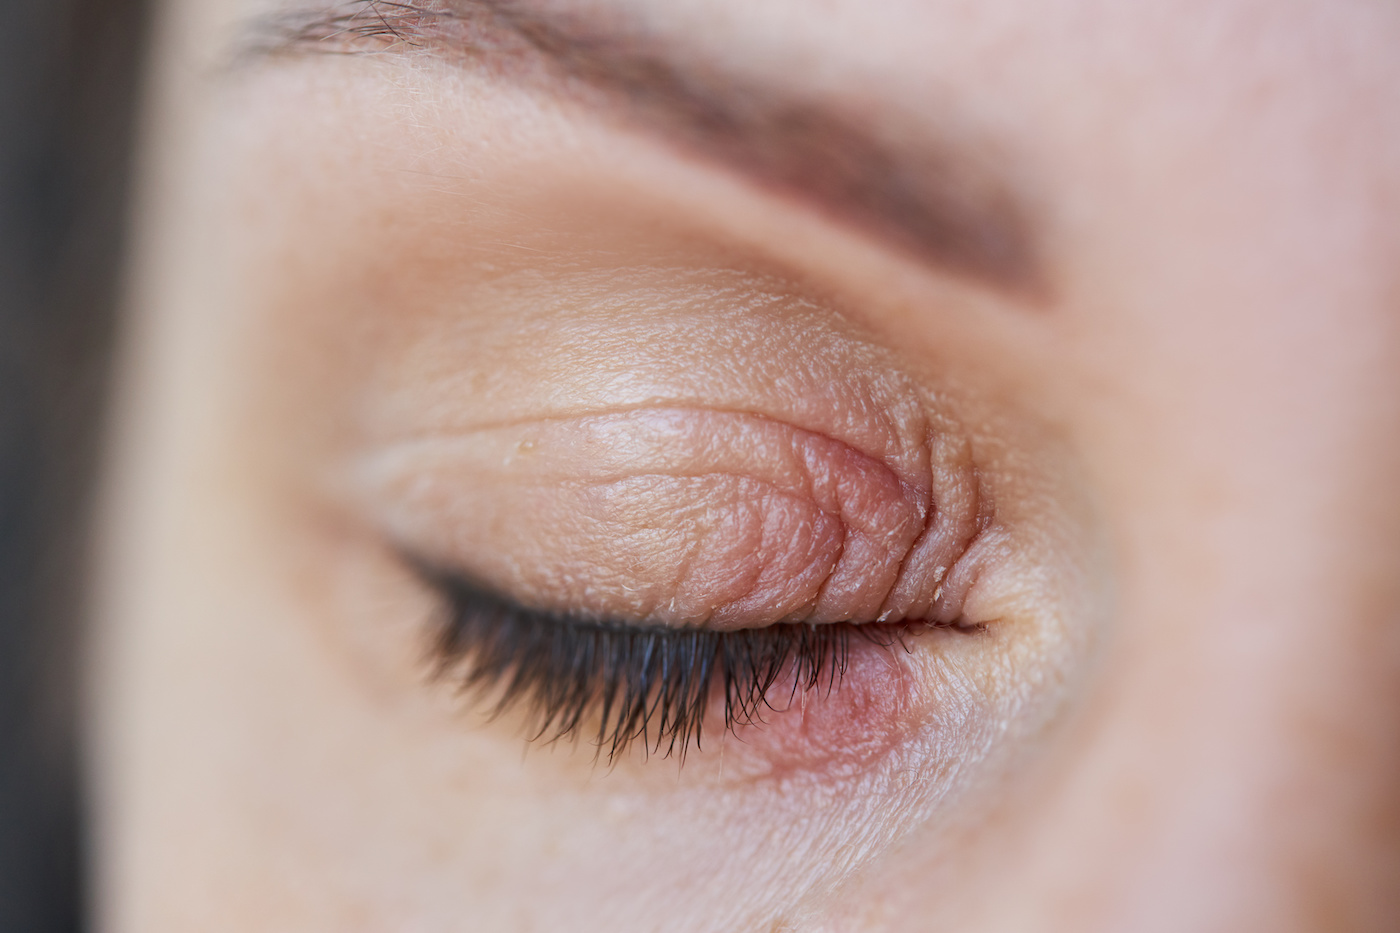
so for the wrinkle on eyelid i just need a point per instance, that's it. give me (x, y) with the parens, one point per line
(904, 452)
(672, 515)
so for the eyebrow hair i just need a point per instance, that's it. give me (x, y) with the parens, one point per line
(944, 204)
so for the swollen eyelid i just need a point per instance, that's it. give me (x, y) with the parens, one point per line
(685, 516)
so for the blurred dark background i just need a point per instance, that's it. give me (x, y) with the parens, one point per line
(68, 78)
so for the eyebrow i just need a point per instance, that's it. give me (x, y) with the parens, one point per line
(947, 203)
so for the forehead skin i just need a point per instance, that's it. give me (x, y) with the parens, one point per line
(1218, 188)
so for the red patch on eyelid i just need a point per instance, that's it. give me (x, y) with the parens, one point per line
(857, 721)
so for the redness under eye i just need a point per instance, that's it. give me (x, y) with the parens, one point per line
(868, 713)
(794, 695)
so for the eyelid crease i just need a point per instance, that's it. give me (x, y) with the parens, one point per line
(893, 442)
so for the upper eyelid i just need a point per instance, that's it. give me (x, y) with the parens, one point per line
(892, 547)
(957, 206)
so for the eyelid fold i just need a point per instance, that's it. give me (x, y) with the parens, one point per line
(684, 516)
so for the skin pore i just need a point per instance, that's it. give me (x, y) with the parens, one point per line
(1065, 335)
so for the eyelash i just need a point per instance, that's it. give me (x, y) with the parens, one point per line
(648, 685)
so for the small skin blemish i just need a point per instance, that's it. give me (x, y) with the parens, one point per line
(523, 448)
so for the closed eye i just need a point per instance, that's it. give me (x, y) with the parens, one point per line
(655, 686)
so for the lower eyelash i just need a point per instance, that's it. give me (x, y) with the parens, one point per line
(650, 685)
